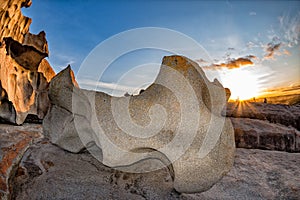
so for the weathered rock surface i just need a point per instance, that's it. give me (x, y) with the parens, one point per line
(26, 56)
(265, 126)
(59, 124)
(14, 141)
(261, 134)
(48, 172)
(177, 120)
(7, 110)
(12, 22)
(259, 174)
(24, 73)
(274, 113)
(26, 89)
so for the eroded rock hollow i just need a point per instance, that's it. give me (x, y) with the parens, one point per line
(24, 73)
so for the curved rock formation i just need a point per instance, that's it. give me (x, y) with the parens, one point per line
(24, 74)
(176, 120)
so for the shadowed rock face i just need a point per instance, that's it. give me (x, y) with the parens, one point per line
(26, 56)
(177, 120)
(24, 74)
(7, 111)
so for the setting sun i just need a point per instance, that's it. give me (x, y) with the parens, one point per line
(242, 83)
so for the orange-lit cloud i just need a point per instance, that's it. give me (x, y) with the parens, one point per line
(233, 63)
(286, 52)
(271, 50)
(251, 57)
(293, 88)
(290, 90)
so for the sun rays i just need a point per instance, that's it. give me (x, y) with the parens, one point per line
(242, 82)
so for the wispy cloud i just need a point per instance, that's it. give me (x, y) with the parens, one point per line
(272, 49)
(283, 36)
(286, 52)
(201, 61)
(252, 13)
(290, 90)
(59, 61)
(112, 88)
(251, 45)
(290, 29)
(131, 80)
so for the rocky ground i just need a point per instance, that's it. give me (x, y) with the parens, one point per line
(14, 141)
(287, 115)
(266, 126)
(48, 172)
(33, 168)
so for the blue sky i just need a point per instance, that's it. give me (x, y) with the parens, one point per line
(227, 30)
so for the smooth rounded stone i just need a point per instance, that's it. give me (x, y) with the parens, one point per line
(177, 118)
(48, 172)
(61, 123)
